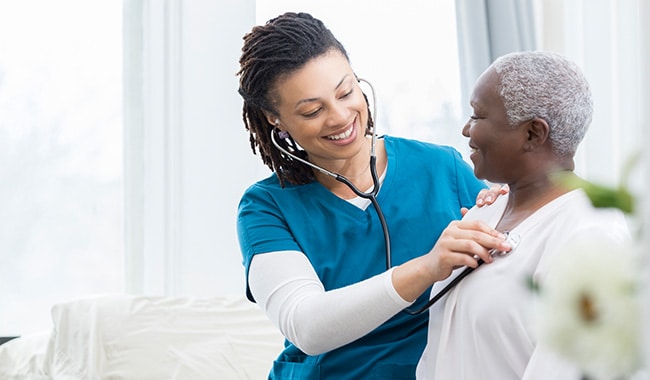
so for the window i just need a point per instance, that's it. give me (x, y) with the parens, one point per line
(191, 136)
(605, 38)
(409, 54)
(60, 156)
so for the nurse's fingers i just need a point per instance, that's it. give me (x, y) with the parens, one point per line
(464, 242)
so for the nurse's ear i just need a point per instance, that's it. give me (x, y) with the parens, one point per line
(272, 119)
(538, 133)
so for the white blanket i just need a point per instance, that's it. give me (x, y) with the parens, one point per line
(137, 337)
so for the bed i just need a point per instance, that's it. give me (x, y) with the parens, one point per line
(139, 337)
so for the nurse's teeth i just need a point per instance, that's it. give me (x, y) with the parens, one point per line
(341, 136)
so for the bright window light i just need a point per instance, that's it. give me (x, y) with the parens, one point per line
(408, 52)
(60, 156)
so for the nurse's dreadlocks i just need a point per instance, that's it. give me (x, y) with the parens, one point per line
(278, 48)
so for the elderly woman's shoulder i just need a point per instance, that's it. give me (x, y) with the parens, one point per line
(609, 221)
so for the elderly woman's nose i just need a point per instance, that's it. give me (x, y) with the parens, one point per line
(466, 128)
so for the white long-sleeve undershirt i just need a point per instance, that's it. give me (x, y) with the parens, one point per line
(286, 286)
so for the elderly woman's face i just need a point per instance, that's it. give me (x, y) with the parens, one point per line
(495, 145)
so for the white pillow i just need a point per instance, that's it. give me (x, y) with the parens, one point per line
(25, 358)
(137, 337)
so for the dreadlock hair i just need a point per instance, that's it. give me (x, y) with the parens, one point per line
(271, 51)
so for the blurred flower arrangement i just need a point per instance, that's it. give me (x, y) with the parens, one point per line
(590, 305)
(591, 310)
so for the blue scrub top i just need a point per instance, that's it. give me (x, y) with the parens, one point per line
(423, 190)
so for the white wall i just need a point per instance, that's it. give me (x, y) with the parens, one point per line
(187, 154)
(604, 38)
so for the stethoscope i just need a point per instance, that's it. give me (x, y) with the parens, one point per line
(376, 184)
(511, 238)
(371, 195)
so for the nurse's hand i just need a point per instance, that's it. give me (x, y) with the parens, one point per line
(488, 196)
(462, 243)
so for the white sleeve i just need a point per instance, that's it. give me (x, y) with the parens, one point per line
(286, 286)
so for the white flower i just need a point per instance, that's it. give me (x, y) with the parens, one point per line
(590, 309)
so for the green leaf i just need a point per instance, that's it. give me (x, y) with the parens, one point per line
(600, 196)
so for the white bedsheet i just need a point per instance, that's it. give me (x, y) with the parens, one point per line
(136, 337)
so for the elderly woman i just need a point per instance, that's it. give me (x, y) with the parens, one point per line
(531, 110)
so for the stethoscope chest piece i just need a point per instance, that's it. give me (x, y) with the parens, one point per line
(513, 239)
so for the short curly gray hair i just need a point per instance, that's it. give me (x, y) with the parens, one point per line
(549, 86)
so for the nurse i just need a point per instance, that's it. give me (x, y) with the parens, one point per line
(313, 250)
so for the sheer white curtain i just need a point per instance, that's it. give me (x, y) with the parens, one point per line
(644, 14)
(605, 38)
(488, 29)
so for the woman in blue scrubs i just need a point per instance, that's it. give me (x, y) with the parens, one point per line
(312, 249)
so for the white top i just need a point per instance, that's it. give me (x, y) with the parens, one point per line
(483, 329)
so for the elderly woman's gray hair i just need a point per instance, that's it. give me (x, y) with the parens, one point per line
(549, 86)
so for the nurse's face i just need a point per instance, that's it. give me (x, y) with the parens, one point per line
(322, 107)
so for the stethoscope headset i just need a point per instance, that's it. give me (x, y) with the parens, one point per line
(372, 197)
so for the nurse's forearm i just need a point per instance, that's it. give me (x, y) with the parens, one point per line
(413, 278)
(313, 319)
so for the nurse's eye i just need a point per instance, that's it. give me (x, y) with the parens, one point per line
(312, 114)
(347, 94)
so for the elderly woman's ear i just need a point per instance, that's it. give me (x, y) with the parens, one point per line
(538, 133)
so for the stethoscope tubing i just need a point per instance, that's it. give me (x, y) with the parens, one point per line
(372, 196)
(445, 290)
(376, 185)
(512, 239)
